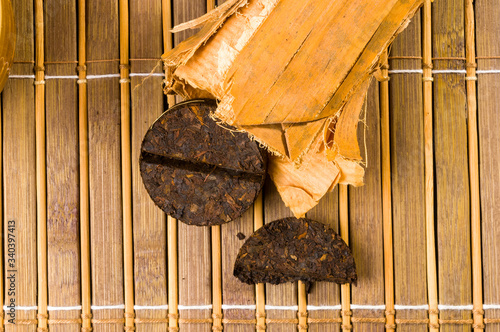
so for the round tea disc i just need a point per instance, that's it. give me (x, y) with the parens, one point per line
(197, 171)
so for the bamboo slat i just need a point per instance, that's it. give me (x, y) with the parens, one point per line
(150, 254)
(452, 173)
(234, 291)
(477, 278)
(260, 291)
(125, 124)
(427, 80)
(172, 277)
(216, 278)
(216, 257)
(104, 165)
(19, 186)
(325, 293)
(2, 293)
(488, 89)
(408, 185)
(387, 194)
(19, 171)
(194, 275)
(195, 282)
(63, 221)
(41, 171)
(365, 222)
(284, 294)
(83, 144)
(345, 289)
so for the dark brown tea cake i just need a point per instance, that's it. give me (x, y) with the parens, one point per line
(197, 171)
(292, 249)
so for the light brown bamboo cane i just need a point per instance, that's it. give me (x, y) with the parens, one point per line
(167, 37)
(260, 292)
(216, 258)
(128, 256)
(84, 170)
(302, 303)
(345, 289)
(173, 319)
(429, 170)
(216, 279)
(387, 195)
(477, 278)
(41, 181)
(1, 226)
(173, 313)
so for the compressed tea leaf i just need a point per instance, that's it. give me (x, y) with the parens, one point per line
(291, 249)
(197, 171)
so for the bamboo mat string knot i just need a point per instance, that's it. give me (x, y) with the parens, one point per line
(86, 329)
(478, 326)
(434, 326)
(478, 312)
(42, 329)
(346, 327)
(129, 328)
(173, 316)
(126, 67)
(433, 311)
(129, 315)
(39, 69)
(390, 326)
(42, 316)
(346, 313)
(82, 69)
(86, 316)
(216, 328)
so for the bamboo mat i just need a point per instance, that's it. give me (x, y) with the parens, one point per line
(85, 249)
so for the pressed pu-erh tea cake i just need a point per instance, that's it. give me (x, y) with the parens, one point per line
(198, 172)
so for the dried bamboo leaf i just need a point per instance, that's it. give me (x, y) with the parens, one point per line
(294, 76)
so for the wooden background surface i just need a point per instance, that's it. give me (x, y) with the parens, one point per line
(93, 251)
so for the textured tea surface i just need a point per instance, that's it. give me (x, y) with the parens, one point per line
(197, 171)
(293, 249)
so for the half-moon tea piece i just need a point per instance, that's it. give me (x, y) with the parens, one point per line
(198, 171)
(292, 249)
